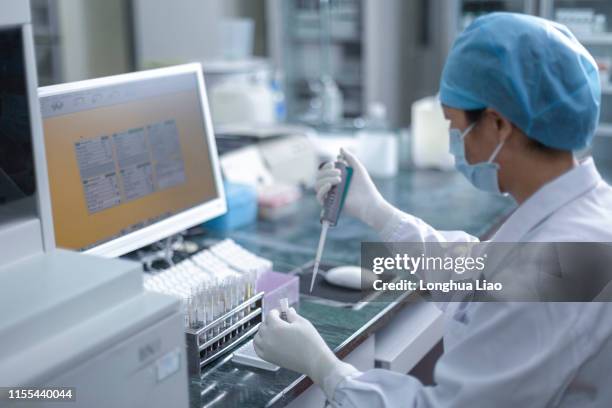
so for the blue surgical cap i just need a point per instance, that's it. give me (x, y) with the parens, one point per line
(531, 70)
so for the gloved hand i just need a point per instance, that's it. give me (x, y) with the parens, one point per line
(363, 200)
(296, 345)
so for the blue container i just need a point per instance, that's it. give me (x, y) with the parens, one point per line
(241, 208)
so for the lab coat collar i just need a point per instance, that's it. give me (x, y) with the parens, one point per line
(548, 199)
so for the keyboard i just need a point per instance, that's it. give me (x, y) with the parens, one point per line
(221, 262)
(239, 258)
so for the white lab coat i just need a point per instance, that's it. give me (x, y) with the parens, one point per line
(511, 354)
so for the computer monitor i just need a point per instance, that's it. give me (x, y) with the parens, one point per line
(17, 176)
(131, 159)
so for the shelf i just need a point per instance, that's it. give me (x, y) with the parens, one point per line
(604, 129)
(302, 38)
(595, 39)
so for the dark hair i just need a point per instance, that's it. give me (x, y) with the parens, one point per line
(474, 116)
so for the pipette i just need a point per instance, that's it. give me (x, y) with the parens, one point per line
(332, 206)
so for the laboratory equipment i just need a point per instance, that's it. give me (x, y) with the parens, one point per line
(278, 200)
(221, 300)
(239, 258)
(345, 276)
(284, 308)
(241, 208)
(378, 145)
(249, 102)
(223, 262)
(206, 343)
(277, 286)
(97, 332)
(220, 70)
(291, 156)
(131, 159)
(246, 354)
(267, 154)
(237, 34)
(332, 101)
(582, 21)
(332, 206)
(245, 166)
(429, 135)
(24, 198)
(321, 44)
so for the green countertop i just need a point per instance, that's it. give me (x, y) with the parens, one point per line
(443, 199)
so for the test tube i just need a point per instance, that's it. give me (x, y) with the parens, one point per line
(194, 307)
(235, 302)
(224, 306)
(200, 303)
(218, 312)
(253, 278)
(211, 309)
(240, 294)
(230, 302)
(284, 308)
(186, 311)
(237, 295)
(208, 301)
(190, 311)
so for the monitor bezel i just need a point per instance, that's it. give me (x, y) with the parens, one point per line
(185, 219)
(27, 223)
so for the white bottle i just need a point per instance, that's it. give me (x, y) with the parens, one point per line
(429, 135)
(333, 102)
(377, 145)
(239, 102)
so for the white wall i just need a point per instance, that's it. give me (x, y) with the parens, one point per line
(96, 35)
(94, 38)
(73, 41)
(186, 30)
(398, 66)
(110, 46)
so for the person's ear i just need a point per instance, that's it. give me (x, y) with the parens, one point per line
(503, 126)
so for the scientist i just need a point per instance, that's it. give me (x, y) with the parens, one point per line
(521, 95)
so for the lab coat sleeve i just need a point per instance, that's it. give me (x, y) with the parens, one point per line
(509, 355)
(403, 227)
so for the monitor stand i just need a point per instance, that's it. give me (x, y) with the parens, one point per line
(165, 250)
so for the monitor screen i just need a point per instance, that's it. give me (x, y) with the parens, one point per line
(126, 153)
(17, 177)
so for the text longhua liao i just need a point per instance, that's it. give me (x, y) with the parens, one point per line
(440, 270)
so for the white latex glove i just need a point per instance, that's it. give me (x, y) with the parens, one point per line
(363, 200)
(296, 345)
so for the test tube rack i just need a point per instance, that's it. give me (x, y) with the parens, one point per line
(207, 343)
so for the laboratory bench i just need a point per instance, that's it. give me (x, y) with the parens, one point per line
(443, 199)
